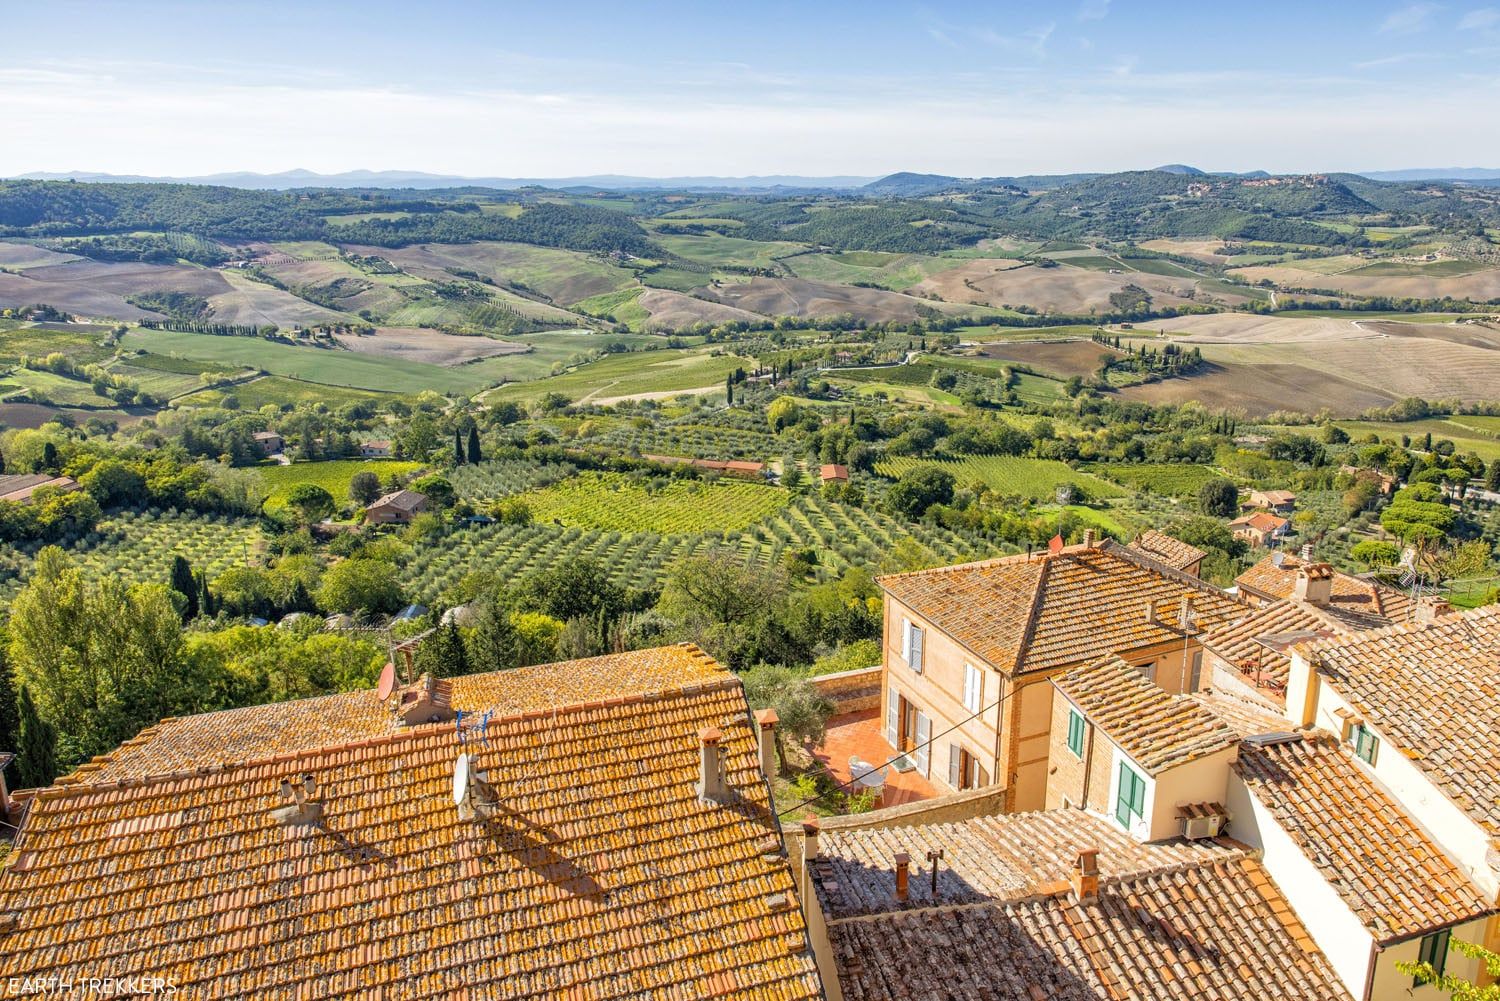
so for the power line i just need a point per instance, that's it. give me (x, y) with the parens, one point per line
(890, 761)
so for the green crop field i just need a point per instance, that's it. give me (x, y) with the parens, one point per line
(279, 392)
(333, 476)
(619, 503)
(1418, 269)
(81, 344)
(890, 271)
(1168, 479)
(1157, 266)
(321, 365)
(58, 389)
(1468, 434)
(1037, 479)
(727, 251)
(630, 373)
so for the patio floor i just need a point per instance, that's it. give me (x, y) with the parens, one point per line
(862, 734)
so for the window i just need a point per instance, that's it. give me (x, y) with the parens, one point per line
(922, 752)
(963, 769)
(892, 718)
(1365, 743)
(1195, 676)
(973, 688)
(1075, 732)
(1434, 951)
(911, 645)
(1130, 801)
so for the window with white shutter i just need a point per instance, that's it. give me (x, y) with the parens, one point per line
(922, 752)
(916, 649)
(973, 688)
(906, 640)
(955, 766)
(892, 716)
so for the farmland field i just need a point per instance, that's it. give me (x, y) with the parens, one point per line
(616, 502)
(333, 475)
(1037, 479)
(278, 392)
(1169, 479)
(614, 376)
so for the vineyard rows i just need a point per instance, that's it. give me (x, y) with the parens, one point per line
(1006, 474)
(492, 480)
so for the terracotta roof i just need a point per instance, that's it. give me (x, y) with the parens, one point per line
(1164, 549)
(602, 875)
(1432, 689)
(1053, 610)
(834, 471)
(1273, 578)
(1170, 920)
(1396, 881)
(1157, 729)
(1261, 521)
(221, 738)
(18, 487)
(1244, 717)
(1261, 642)
(403, 500)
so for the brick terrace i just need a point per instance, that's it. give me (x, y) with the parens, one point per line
(861, 733)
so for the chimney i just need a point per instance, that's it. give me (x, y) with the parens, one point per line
(810, 829)
(1085, 875)
(1306, 552)
(1090, 537)
(1430, 608)
(710, 765)
(903, 876)
(765, 721)
(298, 808)
(1151, 616)
(1314, 584)
(423, 701)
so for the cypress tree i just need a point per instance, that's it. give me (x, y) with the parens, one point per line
(185, 583)
(475, 455)
(458, 448)
(729, 390)
(37, 744)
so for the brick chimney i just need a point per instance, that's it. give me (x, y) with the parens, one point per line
(299, 808)
(1085, 875)
(1430, 608)
(765, 722)
(903, 876)
(1314, 584)
(1090, 537)
(711, 786)
(1307, 552)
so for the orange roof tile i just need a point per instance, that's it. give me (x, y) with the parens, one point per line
(1051, 610)
(1245, 718)
(1275, 576)
(1262, 641)
(1433, 690)
(1170, 920)
(1164, 549)
(601, 875)
(1157, 729)
(1396, 881)
(1261, 521)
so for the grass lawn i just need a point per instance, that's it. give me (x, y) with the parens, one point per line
(1468, 434)
(79, 344)
(618, 503)
(321, 365)
(278, 391)
(628, 374)
(58, 389)
(333, 476)
(1007, 474)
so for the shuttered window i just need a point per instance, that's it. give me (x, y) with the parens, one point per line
(1434, 952)
(955, 766)
(892, 716)
(922, 753)
(1130, 800)
(1366, 744)
(911, 645)
(973, 688)
(1075, 732)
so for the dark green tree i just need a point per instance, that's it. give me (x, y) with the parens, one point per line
(492, 644)
(1492, 478)
(1219, 498)
(36, 745)
(458, 448)
(364, 487)
(476, 456)
(185, 583)
(442, 654)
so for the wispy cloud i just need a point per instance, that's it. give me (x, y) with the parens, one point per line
(1126, 65)
(1393, 60)
(1093, 10)
(1409, 19)
(1034, 40)
(941, 37)
(1482, 19)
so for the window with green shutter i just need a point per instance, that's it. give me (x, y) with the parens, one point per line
(1075, 732)
(1434, 952)
(1365, 744)
(1130, 800)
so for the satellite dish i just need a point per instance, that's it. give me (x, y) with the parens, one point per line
(387, 681)
(460, 780)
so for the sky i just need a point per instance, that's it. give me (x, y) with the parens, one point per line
(815, 87)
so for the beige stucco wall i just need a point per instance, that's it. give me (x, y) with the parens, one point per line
(1204, 780)
(938, 691)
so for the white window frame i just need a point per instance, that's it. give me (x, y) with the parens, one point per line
(973, 688)
(922, 753)
(912, 644)
(892, 716)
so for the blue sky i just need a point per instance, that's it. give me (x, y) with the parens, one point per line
(570, 88)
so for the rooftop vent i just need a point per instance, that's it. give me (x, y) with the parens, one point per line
(1307, 552)
(422, 701)
(1314, 584)
(711, 785)
(1085, 875)
(903, 876)
(299, 808)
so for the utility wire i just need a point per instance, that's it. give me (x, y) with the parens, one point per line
(899, 755)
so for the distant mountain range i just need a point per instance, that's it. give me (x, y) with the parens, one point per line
(903, 183)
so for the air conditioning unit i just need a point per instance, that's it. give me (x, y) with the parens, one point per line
(1202, 820)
